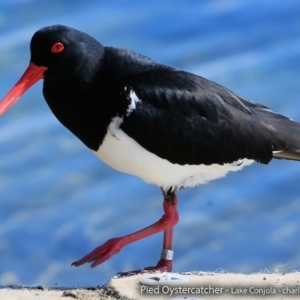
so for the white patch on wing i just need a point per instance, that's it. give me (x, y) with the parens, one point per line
(123, 153)
(134, 100)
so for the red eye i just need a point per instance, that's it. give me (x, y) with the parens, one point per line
(57, 47)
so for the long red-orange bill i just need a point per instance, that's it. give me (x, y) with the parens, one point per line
(32, 74)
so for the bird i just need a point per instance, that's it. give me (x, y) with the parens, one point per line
(171, 128)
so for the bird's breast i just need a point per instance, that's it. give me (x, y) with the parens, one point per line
(124, 154)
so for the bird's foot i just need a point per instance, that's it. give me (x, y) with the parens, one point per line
(163, 265)
(113, 246)
(101, 253)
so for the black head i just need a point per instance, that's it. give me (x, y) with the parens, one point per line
(64, 51)
(57, 53)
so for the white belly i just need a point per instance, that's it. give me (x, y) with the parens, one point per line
(122, 153)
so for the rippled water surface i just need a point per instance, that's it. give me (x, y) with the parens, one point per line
(58, 202)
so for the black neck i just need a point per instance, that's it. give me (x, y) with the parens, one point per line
(86, 103)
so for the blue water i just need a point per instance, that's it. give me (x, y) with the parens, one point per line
(58, 202)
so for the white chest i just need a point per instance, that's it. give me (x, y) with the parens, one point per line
(122, 153)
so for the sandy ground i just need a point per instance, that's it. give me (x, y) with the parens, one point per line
(171, 286)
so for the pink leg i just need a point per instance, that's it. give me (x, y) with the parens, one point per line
(166, 224)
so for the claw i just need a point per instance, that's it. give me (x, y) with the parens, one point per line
(163, 265)
(101, 253)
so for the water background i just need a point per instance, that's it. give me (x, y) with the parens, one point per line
(58, 202)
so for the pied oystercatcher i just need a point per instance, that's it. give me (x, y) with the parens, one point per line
(169, 127)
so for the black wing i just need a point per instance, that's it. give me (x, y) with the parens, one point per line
(188, 119)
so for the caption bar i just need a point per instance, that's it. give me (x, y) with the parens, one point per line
(211, 290)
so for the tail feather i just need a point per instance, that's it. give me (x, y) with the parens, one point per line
(284, 134)
(287, 154)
